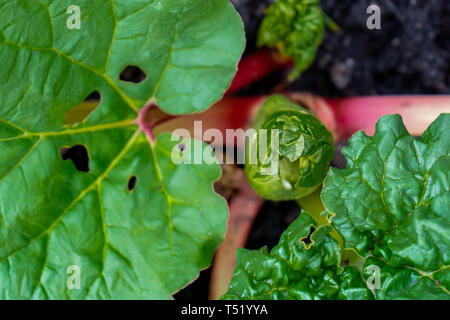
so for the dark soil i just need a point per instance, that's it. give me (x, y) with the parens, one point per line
(198, 290)
(409, 55)
(271, 221)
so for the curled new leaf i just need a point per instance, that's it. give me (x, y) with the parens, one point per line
(296, 27)
(290, 153)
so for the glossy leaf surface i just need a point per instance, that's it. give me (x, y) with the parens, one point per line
(392, 201)
(297, 163)
(299, 267)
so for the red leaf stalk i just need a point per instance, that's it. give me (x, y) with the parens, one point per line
(256, 66)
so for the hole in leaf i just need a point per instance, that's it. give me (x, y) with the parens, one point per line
(94, 96)
(132, 183)
(182, 147)
(307, 239)
(82, 111)
(79, 156)
(132, 74)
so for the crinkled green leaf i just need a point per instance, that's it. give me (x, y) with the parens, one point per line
(296, 27)
(297, 165)
(391, 205)
(392, 202)
(144, 243)
(404, 283)
(296, 269)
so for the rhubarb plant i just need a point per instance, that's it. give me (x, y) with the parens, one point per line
(94, 207)
(296, 164)
(390, 206)
(296, 28)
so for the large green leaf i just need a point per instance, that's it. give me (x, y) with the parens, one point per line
(392, 201)
(299, 267)
(144, 243)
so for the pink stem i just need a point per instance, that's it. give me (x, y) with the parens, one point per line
(344, 116)
(142, 121)
(151, 116)
(244, 207)
(256, 66)
(362, 113)
(229, 113)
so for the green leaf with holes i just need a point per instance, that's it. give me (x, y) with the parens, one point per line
(70, 234)
(391, 204)
(302, 266)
